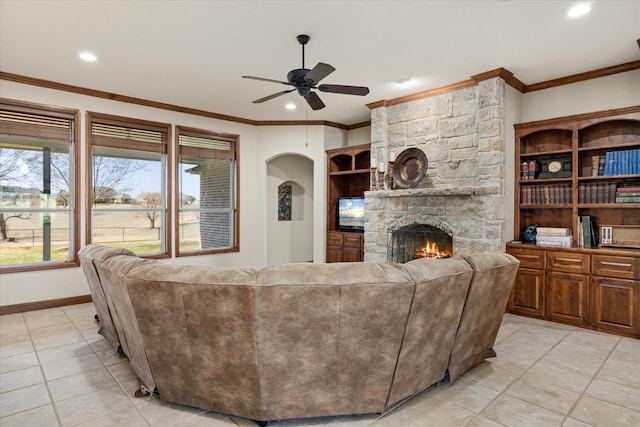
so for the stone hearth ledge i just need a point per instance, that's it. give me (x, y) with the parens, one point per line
(421, 192)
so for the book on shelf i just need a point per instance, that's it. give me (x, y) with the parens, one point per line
(587, 232)
(553, 231)
(627, 199)
(624, 162)
(595, 163)
(601, 165)
(628, 189)
(558, 241)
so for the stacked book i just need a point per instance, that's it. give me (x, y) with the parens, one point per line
(628, 194)
(587, 232)
(553, 236)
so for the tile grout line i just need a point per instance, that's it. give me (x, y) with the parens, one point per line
(106, 367)
(593, 379)
(44, 377)
(519, 377)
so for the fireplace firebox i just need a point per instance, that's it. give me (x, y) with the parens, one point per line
(415, 241)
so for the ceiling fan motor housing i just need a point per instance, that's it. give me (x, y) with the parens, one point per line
(296, 77)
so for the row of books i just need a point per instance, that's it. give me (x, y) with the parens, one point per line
(529, 170)
(597, 193)
(626, 162)
(591, 193)
(587, 232)
(554, 236)
(553, 194)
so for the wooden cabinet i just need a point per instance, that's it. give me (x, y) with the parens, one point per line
(344, 247)
(348, 175)
(591, 288)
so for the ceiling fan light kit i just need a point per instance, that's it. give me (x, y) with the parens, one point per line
(304, 79)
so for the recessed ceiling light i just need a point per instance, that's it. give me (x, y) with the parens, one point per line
(88, 56)
(579, 10)
(290, 106)
(403, 81)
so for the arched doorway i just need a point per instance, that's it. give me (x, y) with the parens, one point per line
(289, 234)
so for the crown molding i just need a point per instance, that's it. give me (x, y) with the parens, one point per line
(602, 72)
(512, 81)
(503, 73)
(164, 106)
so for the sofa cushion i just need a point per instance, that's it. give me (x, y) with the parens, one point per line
(198, 332)
(98, 253)
(335, 329)
(493, 277)
(441, 290)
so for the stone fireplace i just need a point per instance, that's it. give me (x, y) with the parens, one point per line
(464, 191)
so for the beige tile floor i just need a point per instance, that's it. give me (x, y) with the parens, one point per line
(55, 370)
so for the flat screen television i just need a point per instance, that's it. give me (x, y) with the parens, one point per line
(351, 214)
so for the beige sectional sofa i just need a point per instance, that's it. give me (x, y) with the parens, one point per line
(298, 340)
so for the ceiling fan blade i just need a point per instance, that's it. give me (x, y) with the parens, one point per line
(275, 95)
(318, 73)
(314, 101)
(266, 80)
(347, 90)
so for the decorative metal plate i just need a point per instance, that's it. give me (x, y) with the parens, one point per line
(409, 168)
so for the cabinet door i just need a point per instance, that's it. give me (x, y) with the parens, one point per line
(527, 295)
(351, 254)
(568, 298)
(334, 254)
(615, 305)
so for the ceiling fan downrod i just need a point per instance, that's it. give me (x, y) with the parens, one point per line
(303, 39)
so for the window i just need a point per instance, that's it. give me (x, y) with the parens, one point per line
(207, 199)
(128, 184)
(38, 182)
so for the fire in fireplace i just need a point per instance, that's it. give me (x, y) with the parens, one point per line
(418, 241)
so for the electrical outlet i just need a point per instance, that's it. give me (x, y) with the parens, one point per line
(606, 235)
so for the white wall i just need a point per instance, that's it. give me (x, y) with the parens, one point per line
(359, 136)
(290, 241)
(615, 91)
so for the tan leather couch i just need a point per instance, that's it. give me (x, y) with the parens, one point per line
(298, 340)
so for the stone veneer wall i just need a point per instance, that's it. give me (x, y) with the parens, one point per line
(462, 133)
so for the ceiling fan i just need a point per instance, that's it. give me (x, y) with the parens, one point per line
(303, 80)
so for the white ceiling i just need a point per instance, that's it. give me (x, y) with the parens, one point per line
(192, 53)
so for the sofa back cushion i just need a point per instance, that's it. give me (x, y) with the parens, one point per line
(441, 290)
(197, 323)
(89, 255)
(493, 277)
(112, 272)
(333, 328)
